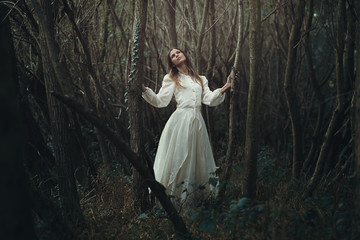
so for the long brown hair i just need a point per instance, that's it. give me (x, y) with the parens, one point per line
(174, 72)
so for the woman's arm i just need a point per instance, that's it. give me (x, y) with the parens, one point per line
(211, 98)
(227, 84)
(162, 99)
(216, 97)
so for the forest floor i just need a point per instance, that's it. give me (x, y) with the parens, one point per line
(278, 213)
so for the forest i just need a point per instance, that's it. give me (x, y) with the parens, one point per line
(78, 141)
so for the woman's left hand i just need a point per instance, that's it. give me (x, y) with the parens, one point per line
(228, 83)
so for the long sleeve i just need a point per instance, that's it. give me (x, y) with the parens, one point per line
(162, 99)
(211, 98)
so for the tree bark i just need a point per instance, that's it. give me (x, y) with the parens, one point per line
(252, 120)
(212, 57)
(290, 91)
(209, 73)
(201, 36)
(349, 51)
(135, 105)
(171, 5)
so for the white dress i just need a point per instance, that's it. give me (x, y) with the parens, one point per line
(184, 162)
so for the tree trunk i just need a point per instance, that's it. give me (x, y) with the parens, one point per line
(290, 91)
(135, 105)
(171, 4)
(234, 103)
(252, 120)
(349, 51)
(201, 36)
(340, 99)
(209, 74)
(212, 58)
(16, 219)
(314, 82)
(55, 72)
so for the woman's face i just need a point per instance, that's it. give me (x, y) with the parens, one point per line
(177, 57)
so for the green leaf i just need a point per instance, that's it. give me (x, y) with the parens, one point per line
(260, 207)
(194, 215)
(143, 215)
(243, 202)
(208, 225)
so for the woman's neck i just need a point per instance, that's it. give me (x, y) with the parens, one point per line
(183, 69)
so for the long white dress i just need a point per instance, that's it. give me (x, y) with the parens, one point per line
(184, 162)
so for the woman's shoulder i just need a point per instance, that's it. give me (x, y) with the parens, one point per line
(167, 77)
(203, 78)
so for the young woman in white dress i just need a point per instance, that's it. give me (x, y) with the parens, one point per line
(184, 162)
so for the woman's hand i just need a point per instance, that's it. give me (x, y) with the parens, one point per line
(143, 87)
(228, 83)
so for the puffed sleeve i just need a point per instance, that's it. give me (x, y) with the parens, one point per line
(162, 99)
(211, 98)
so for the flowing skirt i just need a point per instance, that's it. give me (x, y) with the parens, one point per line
(184, 162)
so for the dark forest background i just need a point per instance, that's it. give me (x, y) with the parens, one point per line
(78, 142)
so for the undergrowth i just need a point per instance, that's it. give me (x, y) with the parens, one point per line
(278, 213)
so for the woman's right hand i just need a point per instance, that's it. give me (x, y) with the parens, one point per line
(228, 83)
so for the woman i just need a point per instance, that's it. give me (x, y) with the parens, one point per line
(184, 162)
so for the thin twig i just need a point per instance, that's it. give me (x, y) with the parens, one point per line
(273, 11)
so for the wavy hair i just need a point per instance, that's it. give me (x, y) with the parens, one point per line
(174, 72)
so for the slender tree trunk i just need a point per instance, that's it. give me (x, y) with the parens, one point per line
(349, 51)
(55, 72)
(209, 72)
(171, 5)
(135, 105)
(15, 219)
(252, 120)
(340, 101)
(290, 91)
(201, 35)
(234, 103)
(105, 35)
(212, 58)
(314, 82)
